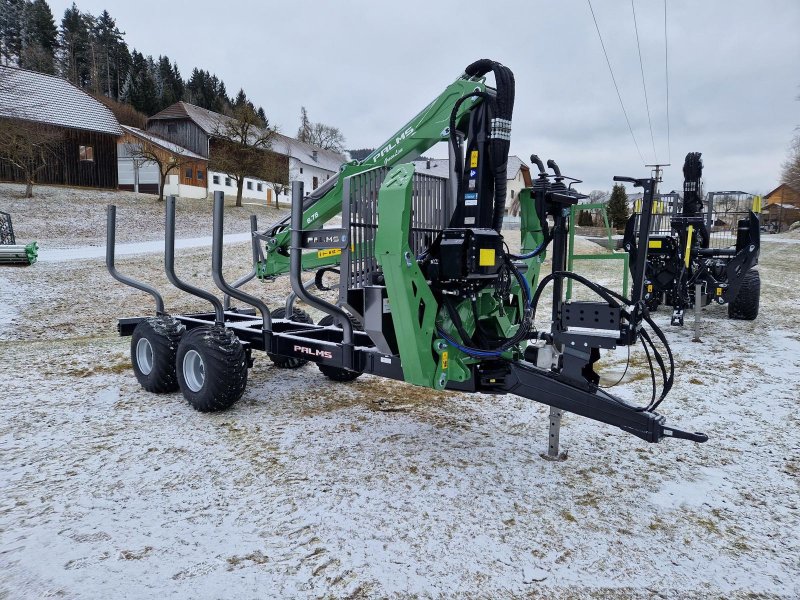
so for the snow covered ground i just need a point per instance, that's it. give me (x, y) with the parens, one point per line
(377, 489)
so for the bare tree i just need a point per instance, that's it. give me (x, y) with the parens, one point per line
(28, 147)
(167, 162)
(790, 174)
(278, 189)
(241, 148)
(323, 136)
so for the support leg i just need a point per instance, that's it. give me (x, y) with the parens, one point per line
(698, 289)
(554, 434)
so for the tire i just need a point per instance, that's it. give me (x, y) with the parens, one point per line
(211, 366)
(154, 345)
(745, 306)
(288, 362)
(336, 373)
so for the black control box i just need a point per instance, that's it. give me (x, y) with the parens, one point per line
(469, 254)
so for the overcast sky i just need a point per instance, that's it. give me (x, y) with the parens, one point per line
(368, 66)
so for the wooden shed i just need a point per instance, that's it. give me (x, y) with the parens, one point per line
(781, 208)
(86, 153)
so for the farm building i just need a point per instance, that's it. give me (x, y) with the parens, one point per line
(77, 135)
(781, 208)
(195, 129)
(147, 163)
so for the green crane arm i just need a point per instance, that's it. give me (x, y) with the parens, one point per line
(430, 126)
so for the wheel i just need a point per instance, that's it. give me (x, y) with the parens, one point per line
(745, 306)
(336, 373)
(153, 347)
(212, 368)
(300, 316)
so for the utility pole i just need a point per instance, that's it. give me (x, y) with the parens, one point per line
(657, 170)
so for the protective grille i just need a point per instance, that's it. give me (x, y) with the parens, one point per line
(665, 207)
(430, 215)
(723, 212)
(6, 230)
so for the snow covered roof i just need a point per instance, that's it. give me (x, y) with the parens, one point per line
(161, 142)
(47, 99)
(438, 167)
(309, 154)
(210, 121)
(515, 163)
(207, 120)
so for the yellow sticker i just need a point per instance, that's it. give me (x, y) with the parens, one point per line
(328, 252)
(473, 159)
(486, 257)
(445, 357)
(719, 291)
(654, 244)
(649, 288)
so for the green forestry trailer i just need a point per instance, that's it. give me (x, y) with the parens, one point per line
(429, 292)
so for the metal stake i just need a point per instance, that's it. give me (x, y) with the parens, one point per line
(698, 288)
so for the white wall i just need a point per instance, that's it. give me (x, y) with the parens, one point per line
(513, 188)
(307, 175)
(173, 186)
(251, 193)
(148, 172)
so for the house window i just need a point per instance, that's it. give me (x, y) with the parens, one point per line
(200, 174)
(316, 182)
(249, 185)
(216, 179)
(189, 173)
(86, 153)
(172, 128)
(259, 187)
(301, 170)
(228, 181)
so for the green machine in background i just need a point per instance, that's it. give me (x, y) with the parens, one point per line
(429, 292)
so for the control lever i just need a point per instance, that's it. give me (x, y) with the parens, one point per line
(552, 164)
(538, 162)
(633, 180)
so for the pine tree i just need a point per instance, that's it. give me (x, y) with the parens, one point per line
(585, 219)
(172, 87)
(74, 44)
(11, 28)
(618, 206)
(108, 48)
(140, 87)
(39, 38)
(304, 131)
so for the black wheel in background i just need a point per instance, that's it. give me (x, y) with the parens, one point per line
(299, 316)
(745, 306)
(211, 366)
(336, 373)
(154, 345)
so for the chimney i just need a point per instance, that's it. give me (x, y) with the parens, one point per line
(314, 155)
(428, 164)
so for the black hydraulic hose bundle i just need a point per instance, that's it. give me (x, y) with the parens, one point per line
(617, 300)
(500, 110)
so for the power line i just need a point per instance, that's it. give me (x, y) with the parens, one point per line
(610, 70)
(666, 73)
(644, 85)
